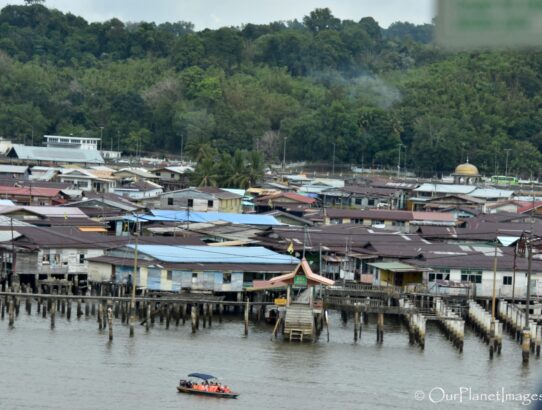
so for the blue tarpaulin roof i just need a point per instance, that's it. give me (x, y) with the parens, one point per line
(160, 215)
(202, 376)
(209, 254)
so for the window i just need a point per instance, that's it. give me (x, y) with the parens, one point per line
(371, 202)
(210, 203)
(357, 201)
(190, 203)
(169, 275)
(226, 277)
(157, 174)
(81, 258)
(170, 201)
(507, 280)
(46, 259)
(438, 276)
(194, 276)
(471, 276)
(172, 175)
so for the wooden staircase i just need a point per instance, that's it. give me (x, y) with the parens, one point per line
(299, 323)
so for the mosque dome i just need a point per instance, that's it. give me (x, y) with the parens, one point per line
(467, 170)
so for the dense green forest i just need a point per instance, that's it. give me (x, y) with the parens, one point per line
(318, 83)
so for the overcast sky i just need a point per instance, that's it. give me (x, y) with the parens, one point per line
(218, 13)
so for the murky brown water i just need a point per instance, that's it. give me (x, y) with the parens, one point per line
(75, 367)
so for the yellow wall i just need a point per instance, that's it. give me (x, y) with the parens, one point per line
(388, 278)
(230, 205)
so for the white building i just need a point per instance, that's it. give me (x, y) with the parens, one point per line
(57, 141)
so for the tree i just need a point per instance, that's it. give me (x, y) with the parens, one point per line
(32, 2)
(321, 19)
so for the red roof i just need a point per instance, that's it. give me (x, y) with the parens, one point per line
(290, 195)
(526, 206)
(27, 191)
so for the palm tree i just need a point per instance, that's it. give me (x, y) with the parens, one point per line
(205, 173)
(198, 151)
(255, 167)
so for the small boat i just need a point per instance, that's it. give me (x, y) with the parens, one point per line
(202, 388)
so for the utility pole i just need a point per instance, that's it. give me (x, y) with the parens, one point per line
(506, 164)
(32, 135)
(284, 155)
(12, 253)
(492, 324)
(102, 137)
(182, 146)
(333, 162)
(134, 281)
(525, 348)
(304, 240)
(399, 162)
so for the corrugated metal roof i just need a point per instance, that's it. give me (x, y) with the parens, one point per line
(70, 155)
(13, 169)
(446, 189)
(491, 193)
(183, 216)
(206, 254)
(393, 266)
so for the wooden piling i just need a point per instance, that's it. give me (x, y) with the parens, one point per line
(28, 306)
(220, 312)
(193, 316)
(210, 314)
(204, 314)
(11, 312)
(110, 322)
(168, 315)
(148, 317)
(380, 328)
(183, 313)
(344, 316)
(69, 310)
(177, 314)
(247, 310)
(52, 314)
(525, 345)
(99, 316)
(116, 309)
(79, 310)
(357, 323)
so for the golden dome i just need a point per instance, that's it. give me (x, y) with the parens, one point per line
(467, 170)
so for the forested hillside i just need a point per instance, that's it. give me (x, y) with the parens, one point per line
(316, 82)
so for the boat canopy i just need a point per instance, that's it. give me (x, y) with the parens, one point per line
(202, 376)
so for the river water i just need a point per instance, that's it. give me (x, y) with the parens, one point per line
(75, 367)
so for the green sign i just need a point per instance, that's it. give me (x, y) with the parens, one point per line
(300, 281)
(470, 24)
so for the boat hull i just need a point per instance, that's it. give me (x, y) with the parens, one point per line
(207, 393)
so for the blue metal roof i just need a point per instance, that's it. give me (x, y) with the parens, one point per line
(183, 216)
(210, 254)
